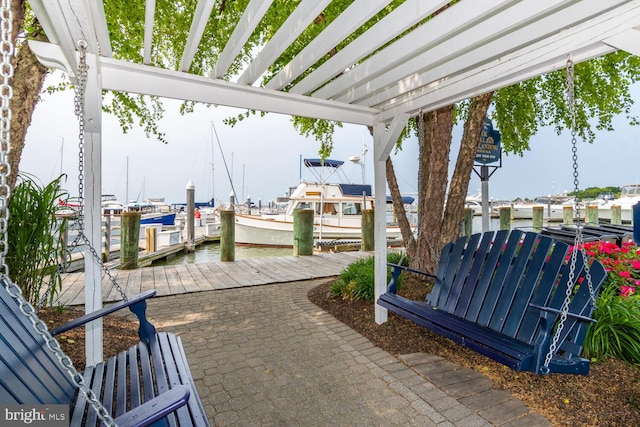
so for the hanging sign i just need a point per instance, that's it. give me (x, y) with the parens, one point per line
(489, 148)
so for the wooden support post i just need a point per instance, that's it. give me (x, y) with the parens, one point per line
(191, 233)
(616, 215)
(368, 228)
(505, 218)
(107, 238)
(567, 215)
(303, 232)
(468, 221)
(151, 239)
(129, 240)
(592, 214)
(227, 235)
(538, 217)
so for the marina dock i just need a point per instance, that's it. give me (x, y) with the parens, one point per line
(187, 278)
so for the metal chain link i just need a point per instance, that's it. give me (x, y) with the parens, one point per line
(79, 102)
(6, 93)
(579, 239)
(53, 345)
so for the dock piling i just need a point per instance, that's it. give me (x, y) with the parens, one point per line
(505, 218)
(129, 240)
(538, 218)
(303, 232)
(367, 230)
(227, 235)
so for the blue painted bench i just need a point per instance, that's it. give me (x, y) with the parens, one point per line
(501, 295)
(151, 383)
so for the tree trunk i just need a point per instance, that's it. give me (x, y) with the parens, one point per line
(27, 83)
(434, 138)
(454, 211)
(401, 214)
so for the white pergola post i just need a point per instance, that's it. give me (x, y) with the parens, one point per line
(383, 141)
(92, 207)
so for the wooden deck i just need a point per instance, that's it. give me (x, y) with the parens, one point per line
(179, 279)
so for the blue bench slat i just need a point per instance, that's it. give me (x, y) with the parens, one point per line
(121, 389)
(127, 384)
(453, 252)
(110, 384)
(35, 378)
(544, 289)
(134, 384)
(196, 409)
(474, 275)
(462, 273)
(171, 370)
(496, 295)
(500, 276)
(77, 412)
(477, 298)
(518, 310)
(515, 276)
(96, 387)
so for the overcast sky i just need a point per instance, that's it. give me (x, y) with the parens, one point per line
(263, 154)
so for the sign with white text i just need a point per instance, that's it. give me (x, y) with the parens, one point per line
(489, 150)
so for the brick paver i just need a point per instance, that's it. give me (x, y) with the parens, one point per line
(266, 356)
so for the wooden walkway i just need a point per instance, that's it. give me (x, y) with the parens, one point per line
(186, 278)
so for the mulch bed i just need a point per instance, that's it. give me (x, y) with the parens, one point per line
(608, 396)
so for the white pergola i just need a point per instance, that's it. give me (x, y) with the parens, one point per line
(473, 47)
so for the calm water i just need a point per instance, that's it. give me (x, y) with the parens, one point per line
(210, 252)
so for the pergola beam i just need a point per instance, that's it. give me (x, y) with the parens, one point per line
(440, 27)
(201, 17)
(481, 58)
(628, 41)
(149, 14)
(135, 78)
(295, 24)
(246, 25)
(356, 15)
(399, 20)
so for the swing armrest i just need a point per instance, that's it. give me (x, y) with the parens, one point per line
(411, 270)
(569, 314)
(156, 408)
(102, 312)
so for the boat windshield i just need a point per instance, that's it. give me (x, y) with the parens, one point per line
(632, 190)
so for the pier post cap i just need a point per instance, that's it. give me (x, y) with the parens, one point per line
(232, 194)
(190, 185)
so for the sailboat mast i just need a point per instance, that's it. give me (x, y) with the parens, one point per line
(126, 188)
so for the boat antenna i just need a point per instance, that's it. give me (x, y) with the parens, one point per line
(224, 160)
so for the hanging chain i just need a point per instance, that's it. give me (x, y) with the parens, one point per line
(6, 93)
(79, 102)
(579, 239)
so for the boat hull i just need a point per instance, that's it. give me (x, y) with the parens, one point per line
(162, 219)
(260, 231)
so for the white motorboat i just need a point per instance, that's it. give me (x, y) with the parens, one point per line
(474, 202)
(337, 212)
(111, 205)
(553, 207)
(629, 196)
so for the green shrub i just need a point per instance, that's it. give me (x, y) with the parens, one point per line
(35, 245)
(356, 281)
(617, 330)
